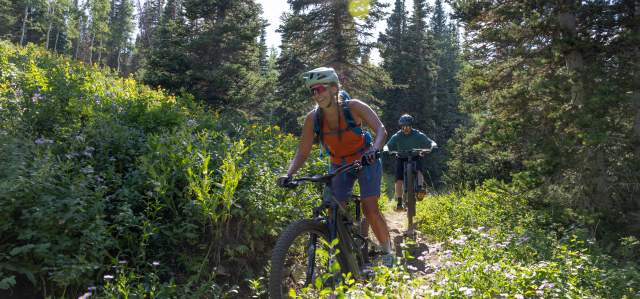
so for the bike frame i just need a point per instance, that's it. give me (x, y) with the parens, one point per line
(336, 217)
(410, 180)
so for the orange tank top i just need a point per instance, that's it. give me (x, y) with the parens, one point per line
(344, 145)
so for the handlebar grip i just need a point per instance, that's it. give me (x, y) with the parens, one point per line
(377, 156)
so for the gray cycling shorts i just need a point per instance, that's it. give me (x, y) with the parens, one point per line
(369, 180)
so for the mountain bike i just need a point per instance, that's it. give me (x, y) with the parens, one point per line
(304, 251)
(410, 181)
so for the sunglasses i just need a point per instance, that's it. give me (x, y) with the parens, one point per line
(318, 89)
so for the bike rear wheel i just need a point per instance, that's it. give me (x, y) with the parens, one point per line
(299, 258)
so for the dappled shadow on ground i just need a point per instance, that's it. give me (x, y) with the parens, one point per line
(424, 255)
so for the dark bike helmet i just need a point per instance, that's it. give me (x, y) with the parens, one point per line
(405, 120)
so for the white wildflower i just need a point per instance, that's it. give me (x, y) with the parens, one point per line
(467, 291)
(87, 170)
(510, 276)
(443, 281)
(436, 293)
(108, 277)
(43, 140)
(88, 151)
(523, 239)
(192, 122)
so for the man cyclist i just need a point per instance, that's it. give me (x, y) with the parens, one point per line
(406, 139)
(337, 124)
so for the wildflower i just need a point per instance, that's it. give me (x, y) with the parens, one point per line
(539, 292)
(88, 151)
(87, 170)
(546, 285)
(123, 262)
(85, 295)
(510, 276)
(436, 293)
(443, 281)
(460, 241)
(43, 140)
(467, 291)
(412, 268)
(519, 296)
(155, 264)
(502, 245)
(91, 289)
(108, 277)
(523, 239)
(36, 97)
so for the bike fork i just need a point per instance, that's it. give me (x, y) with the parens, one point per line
(311, 259)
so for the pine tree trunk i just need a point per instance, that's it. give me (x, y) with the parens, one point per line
(119, 57)
(99, 60)
(24, 23)
(51, 12)
(635, 94)
(55, 46)
(79, 39)
(91, 49)
(573, 59)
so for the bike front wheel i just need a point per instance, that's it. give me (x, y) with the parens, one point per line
(300, 257)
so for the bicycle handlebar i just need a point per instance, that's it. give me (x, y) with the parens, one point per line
(418, 152)
(318, 178)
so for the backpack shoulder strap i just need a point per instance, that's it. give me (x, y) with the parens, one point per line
(317, 124)
(351, 123)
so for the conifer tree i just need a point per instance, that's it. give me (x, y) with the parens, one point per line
(393, 43)
(262, 45)
(8, 19)
(326, 33)
(168, 61)
(120, 29)
(550, 89)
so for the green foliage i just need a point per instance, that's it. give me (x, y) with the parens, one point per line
(498, 246)
(422, 62)
(102, 170)
(494, 245)
(552, 94)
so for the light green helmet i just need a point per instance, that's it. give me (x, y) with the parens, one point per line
(321, 75)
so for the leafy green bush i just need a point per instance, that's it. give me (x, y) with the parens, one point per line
(101, 172)
(497, 246)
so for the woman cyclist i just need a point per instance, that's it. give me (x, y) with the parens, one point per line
(337, 122)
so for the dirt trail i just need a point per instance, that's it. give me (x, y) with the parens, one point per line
(425, 254)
